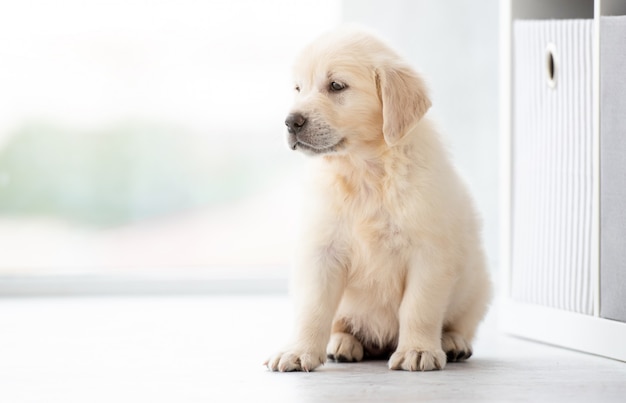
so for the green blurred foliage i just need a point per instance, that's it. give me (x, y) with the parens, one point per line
(116, 176)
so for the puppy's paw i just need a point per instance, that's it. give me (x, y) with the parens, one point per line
(295, 360)
(418, 360)
(456, 347)
(344, 347)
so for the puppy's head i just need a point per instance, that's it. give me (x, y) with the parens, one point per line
(352, 92)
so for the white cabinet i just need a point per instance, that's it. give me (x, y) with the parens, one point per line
(563, 97)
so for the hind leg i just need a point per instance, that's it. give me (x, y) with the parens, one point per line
(456, 347)
(344, 347)
(457, 336)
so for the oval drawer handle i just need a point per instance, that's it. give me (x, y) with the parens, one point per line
(551, 65)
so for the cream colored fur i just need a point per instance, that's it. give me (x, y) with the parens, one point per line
(390, 261)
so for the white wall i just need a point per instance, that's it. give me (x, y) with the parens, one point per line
(454, 44)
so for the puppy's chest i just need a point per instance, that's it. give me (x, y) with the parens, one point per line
(373, 219)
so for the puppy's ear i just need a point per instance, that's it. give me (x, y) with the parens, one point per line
(404, 98)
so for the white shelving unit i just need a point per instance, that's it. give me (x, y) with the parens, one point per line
(565, 311)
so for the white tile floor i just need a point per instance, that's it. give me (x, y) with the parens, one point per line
(210, 349)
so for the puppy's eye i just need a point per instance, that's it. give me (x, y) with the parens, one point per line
(335, 86)
(297, 88)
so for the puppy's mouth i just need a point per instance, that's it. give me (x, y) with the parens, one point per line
(298, 144)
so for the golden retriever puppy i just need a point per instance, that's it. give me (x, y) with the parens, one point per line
(390, 263)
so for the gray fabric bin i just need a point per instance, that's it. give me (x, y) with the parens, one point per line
(613, 168)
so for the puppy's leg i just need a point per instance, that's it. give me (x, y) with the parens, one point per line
(428, 286)
(317, 290)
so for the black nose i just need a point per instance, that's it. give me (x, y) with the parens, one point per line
(295, 122)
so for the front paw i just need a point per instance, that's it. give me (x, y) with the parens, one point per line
(295, 360)
(418, 360)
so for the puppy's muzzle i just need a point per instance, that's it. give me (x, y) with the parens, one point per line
(295, 122)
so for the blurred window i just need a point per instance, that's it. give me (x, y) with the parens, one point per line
(141, 136)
